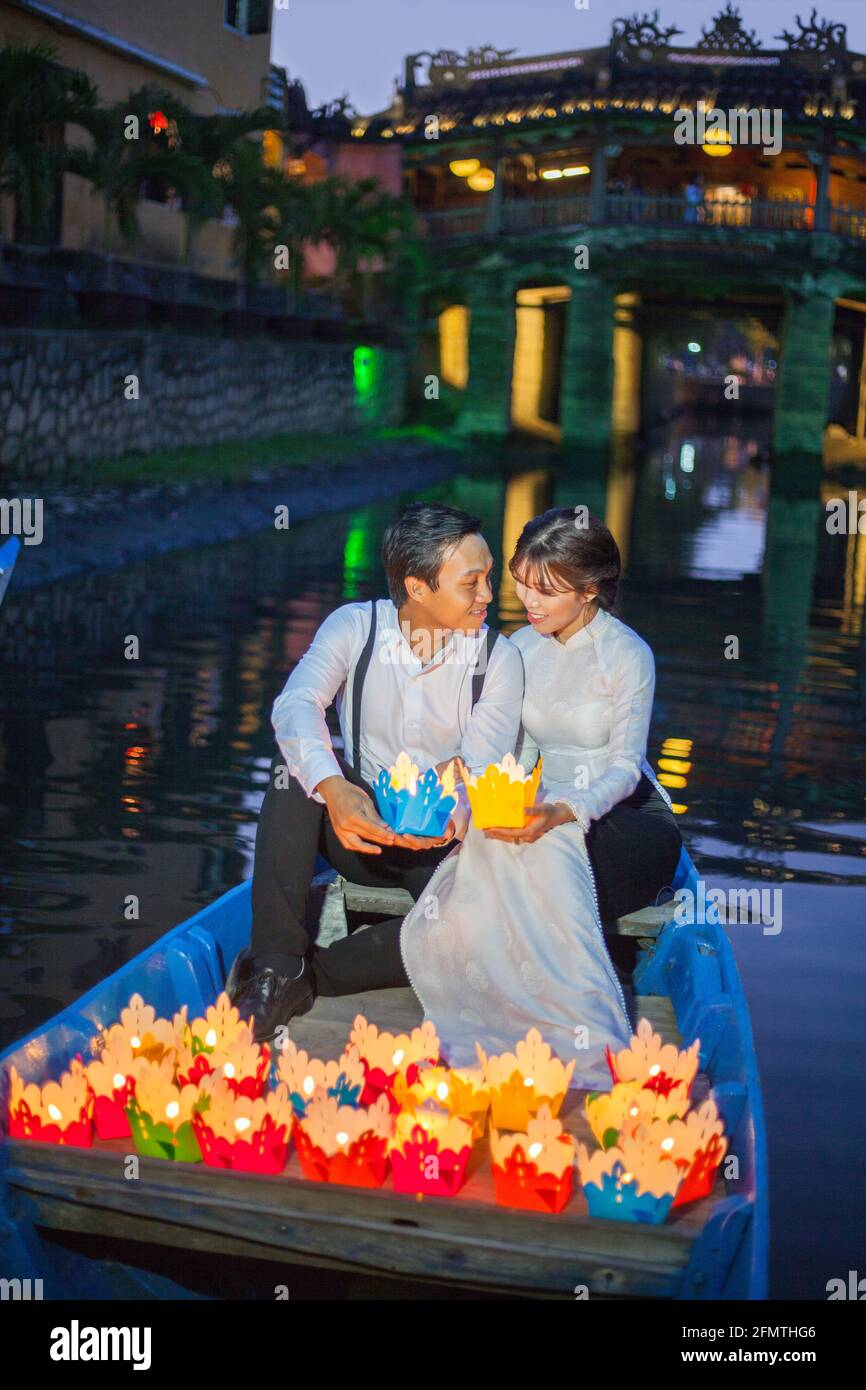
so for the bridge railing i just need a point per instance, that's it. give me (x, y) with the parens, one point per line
(641, 209)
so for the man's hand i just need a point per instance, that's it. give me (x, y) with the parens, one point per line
(354, 817)
(546, 816)
(426, 841)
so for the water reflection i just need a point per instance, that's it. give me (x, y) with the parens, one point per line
(144, 778)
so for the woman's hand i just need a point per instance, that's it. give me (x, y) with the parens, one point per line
(546, 816)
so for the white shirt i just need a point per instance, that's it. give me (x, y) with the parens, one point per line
(424, 710)
(587, 710)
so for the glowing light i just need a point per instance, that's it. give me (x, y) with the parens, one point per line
(464, 167)
(551, 173)
(694, 347)
(687, 458)
(119, 1080)
(210, 1037)
(482, 181)
(55, 1113)
(718, 143)
(674, 765)
(535, 1149)
(398, 1056)
(172, 1110)
(342, 1137)
(242, 1123)
(670, 779)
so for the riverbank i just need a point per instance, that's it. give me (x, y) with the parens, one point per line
(199, 497)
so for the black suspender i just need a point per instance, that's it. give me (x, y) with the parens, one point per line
(363, 665)
(481, 666)
(358, 687)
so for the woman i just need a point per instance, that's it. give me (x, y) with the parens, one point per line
(508, 934)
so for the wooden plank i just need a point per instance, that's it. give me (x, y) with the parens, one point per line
(396, 902)
(366, 1229)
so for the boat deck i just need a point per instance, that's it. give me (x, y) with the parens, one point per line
(466, 1241)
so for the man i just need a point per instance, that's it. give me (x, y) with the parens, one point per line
(419, 672)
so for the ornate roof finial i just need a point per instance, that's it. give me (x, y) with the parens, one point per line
(818, 36)
(728, 34)
(640, 31)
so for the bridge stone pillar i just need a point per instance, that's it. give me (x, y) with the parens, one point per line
(487, 399)
(586, 391)
(802, 390)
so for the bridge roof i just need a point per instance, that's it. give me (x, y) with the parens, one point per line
(814, 76)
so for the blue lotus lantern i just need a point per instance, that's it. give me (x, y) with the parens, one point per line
(413, 804)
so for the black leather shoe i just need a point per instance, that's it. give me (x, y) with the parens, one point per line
(271, 989)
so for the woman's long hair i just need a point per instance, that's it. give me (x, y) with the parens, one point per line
(568, 548)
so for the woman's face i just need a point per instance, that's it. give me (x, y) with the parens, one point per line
(560, 611)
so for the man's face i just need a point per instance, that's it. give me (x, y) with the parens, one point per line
(459, 603)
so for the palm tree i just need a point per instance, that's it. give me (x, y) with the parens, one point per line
(38, 98)
(366, 225)
(302, 220)
(119, 160)
(253, 190)
(209, 141)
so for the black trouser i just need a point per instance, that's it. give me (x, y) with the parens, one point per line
(634, 850)
(292, 829)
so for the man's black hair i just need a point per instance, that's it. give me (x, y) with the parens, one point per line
(419, 541)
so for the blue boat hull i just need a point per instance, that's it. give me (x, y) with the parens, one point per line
(691, 963)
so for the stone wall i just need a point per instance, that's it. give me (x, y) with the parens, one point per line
(63, 395)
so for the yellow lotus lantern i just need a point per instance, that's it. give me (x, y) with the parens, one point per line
(143, 1033)
(502, 794)
(534, 1170)
(462, 1093)
(221, 1026)
(629, 1104)
(630, 1182)
(306, 1077)
(657, 1065)
(520, 1082)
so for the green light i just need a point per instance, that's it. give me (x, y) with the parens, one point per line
(365, 364)
(358, 551)
(694, 347)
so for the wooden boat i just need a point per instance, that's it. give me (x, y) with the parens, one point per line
(685, 983)
(8, 555)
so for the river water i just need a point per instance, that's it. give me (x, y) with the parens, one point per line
(144, 776)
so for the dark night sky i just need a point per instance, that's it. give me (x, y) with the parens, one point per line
(358, 46)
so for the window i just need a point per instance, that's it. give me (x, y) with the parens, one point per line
(248, 16)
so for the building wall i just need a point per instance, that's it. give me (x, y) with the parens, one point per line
(227, 71)
(63, 394)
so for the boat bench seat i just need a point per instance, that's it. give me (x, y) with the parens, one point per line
(332, 896)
